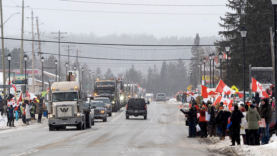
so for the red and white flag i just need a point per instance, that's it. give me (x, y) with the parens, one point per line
(27, 94)
(223, 88)
(240, 94)
(20, 98)
(217, 100)
(227, 102)
(204, 91)
(257, 87)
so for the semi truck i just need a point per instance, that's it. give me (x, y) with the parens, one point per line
(108, 88)
(65, 106)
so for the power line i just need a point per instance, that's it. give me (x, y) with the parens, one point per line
(167, 5)
(115, 12)
(99, 58)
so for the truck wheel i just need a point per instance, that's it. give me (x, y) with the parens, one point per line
(92, 122)
(105, 119)
(127, 117)
(110, 114)
(145, 117)
(79, 126)
(51, 128)
(89, 123)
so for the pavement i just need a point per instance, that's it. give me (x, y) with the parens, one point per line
(163, 133)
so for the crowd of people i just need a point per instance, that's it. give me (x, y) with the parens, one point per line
(25, 110)
(251, 121)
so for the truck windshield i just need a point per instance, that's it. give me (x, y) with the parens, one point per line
(105, 83)
(71, 96)
(107, 91)
(160, 95)
(97, 104)
(104, 100)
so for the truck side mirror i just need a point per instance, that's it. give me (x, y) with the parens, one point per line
(148, 102)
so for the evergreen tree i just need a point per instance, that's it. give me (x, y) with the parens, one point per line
(109, 74)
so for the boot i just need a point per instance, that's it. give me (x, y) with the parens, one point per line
(223, 138)
(27, 123)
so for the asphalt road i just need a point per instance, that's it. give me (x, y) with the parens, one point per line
(163, 133)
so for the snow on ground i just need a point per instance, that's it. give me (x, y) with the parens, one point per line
(245, 150)
(172, 100)
(19, 123)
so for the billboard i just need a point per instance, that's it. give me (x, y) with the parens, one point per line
(19, 79)
(75, 76)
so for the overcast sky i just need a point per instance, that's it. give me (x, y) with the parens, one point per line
(189, 21)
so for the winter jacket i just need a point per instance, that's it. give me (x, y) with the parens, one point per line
(222, 118)
(10, 112)
(253, 118)
(40, 110)
(236, 116)
(257, 98)
(33, 109)
(202, 117)
(191, 114)
(212, 116)
(27, 111)
(265, 112)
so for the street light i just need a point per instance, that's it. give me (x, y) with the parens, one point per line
(42, 61)
(227, 49)
(220, 56)
(66, 66)
(75, 68)
(82, 73)
(10, 17)
(204, 61)
(9, 59)
(243, 33)
(25, 59)
(213, 57)
(210, 58)
(274, 3)
(56, 63)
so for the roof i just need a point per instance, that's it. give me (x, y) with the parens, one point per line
(50, 74)
(66, 85)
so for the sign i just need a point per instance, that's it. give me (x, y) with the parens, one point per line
(74, 76)
(208, 78)
(189, 87)
(19, 79)
(234, 88)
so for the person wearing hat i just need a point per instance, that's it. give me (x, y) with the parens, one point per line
(202, 120)
(217, 120)
(222, 121)
(253, 118)
(236, 121)
(266, 113)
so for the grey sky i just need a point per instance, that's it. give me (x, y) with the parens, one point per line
(202, 20)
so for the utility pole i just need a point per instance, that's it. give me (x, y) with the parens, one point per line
(22, 31)
(59, 38)
(33, 56)
(77, 63)
(272, 50)
(68, 50)
(3, 50)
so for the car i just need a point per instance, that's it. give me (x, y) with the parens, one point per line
(100, 111)
(160, 97)
(136, 107)
(107, 102)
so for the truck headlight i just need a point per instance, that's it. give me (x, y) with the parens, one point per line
(51, 116)
(79, 114)
(102, 111)
(113, 102)
(121, 98)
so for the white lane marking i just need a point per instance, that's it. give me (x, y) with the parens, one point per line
(117, 117)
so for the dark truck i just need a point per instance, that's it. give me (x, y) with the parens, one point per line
(136, 107)
(109, 89)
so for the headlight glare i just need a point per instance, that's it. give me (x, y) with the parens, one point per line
(102, 111)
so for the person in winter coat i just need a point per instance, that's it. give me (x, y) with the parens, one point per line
(192, 118)
(220, 109)
(266, 113)
(257, 98)
(40, 111)
(253, 118)
(22, 109)
(27, 111)
(222, 121)
(212, 122)
(236, 121)
(11, 116)
(16, 113)
(202, 120)
(33, 111)
(244, 126)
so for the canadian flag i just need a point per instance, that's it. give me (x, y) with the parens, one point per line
(204, 91)
(20, 98)
(27, 94)
(223, 88)
(240, 94)
(225, 101)
(190, 93)
(257, 87)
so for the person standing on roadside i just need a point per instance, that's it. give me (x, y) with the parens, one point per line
(266, 113)
(253, 118)
(236, 121)
(192, 118)
(212, 121)
(202, 120)
(27, 111)
(11, 116)
(40, 111)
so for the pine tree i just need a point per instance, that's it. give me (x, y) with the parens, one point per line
(196, 55)
(109, 74)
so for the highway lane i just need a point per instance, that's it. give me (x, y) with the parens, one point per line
(163, 133)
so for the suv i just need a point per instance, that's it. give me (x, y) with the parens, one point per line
(107, 102)
(136, 107)
(100, 111)
(160, 97)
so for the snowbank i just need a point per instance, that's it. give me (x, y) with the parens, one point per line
(263, 150)
(172, 100)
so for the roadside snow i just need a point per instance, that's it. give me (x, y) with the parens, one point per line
(263, 150)
(172, 100)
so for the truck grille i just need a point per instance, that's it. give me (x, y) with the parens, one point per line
(64, 111)
(96, 112)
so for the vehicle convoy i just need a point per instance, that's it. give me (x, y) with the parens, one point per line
(109, 89)
(100, 111)
(136, 107)
(107, 103)
(65, 107)
(160, 97)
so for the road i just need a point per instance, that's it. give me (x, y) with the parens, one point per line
(163, 133)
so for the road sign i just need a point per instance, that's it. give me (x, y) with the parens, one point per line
(189, 87)
(234, 88)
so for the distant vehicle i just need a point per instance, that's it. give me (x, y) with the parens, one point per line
(107, 102)
(100, 111)
(136, 107)
(149, 97)
(160, 97)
